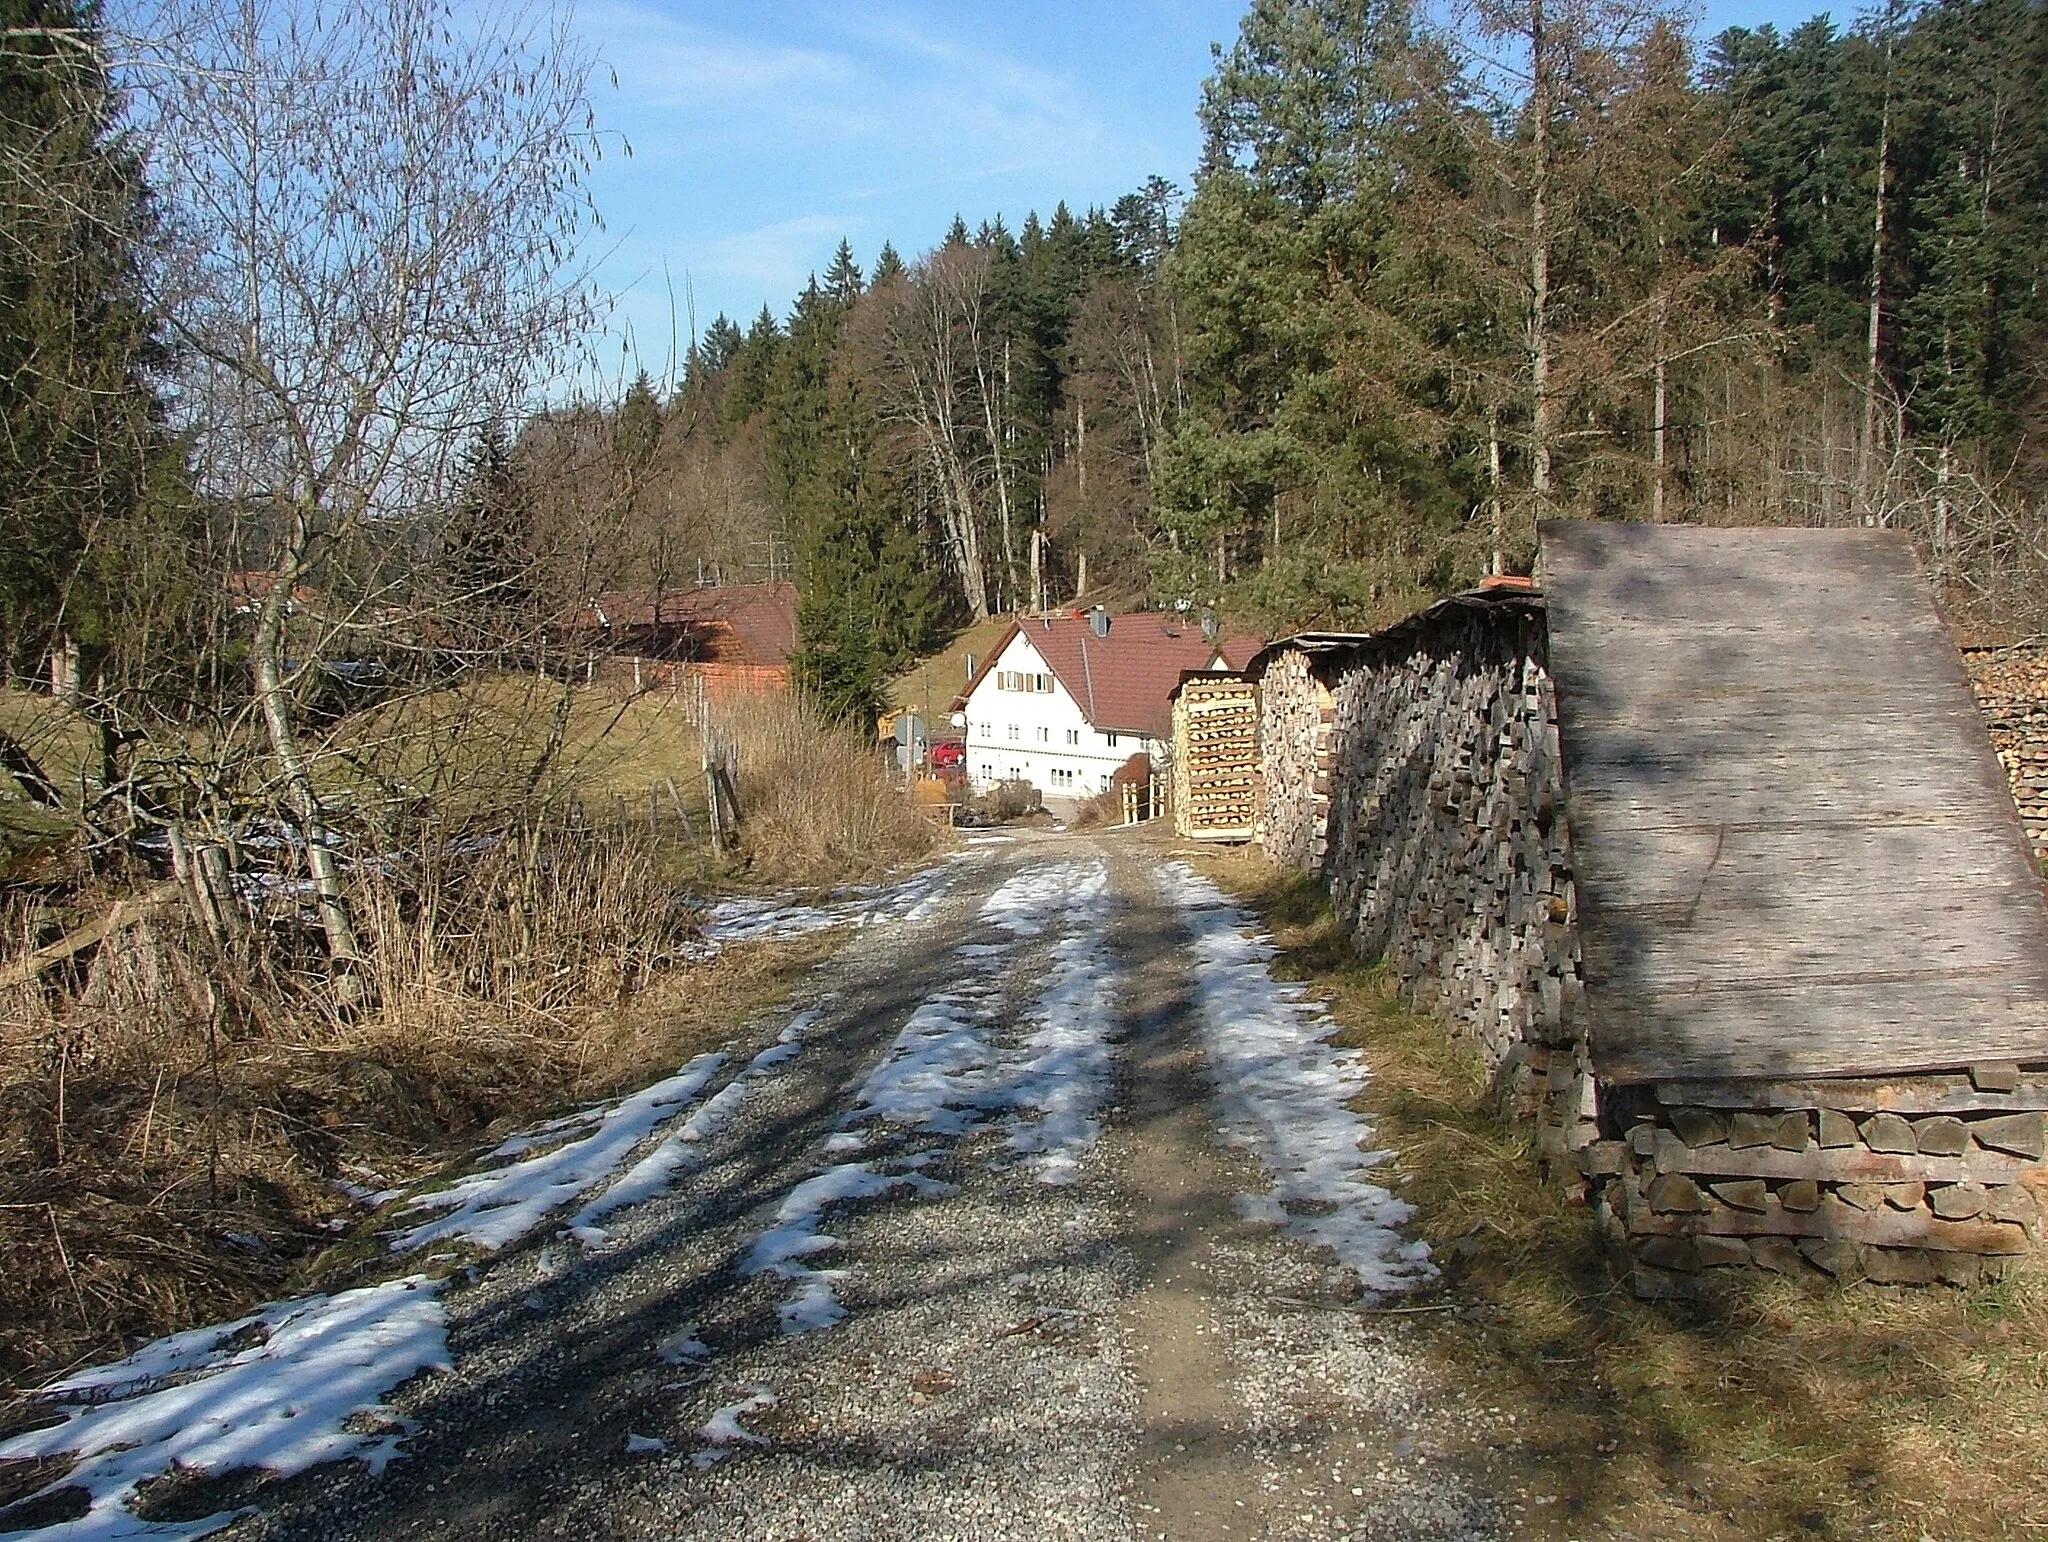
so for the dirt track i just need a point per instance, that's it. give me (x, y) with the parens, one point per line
(1122, 1355)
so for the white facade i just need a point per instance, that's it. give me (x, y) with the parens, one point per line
(1022, 725)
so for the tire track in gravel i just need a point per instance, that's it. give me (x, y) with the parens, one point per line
(1050, 1330)
(1261, 1415)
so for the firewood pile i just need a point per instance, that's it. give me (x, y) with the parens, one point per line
(2012, 693)
(1898, 1180)
(1215, 758)
(1418, 771)
(1421, 771)
(1295, 717)
(1448, 850)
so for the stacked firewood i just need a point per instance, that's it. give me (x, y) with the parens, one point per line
(1448, 849)
(1294, 758)
(2012, 693)
(1900, 1180)
(1215, 758)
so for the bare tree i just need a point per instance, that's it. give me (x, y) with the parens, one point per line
(375, 204)
(933, 341)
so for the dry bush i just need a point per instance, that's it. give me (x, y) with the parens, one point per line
(174, 1113)
(1105, 808)
(818, 804)
(1009, 800)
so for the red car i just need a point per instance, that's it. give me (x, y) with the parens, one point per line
(948, 753)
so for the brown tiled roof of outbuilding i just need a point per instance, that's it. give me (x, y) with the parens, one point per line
(730, 623)
(1124, 682)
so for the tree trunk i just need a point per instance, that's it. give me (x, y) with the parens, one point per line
(1657, 418)
(1866, 449)
(1540, 109)
(1500, 526)
(266, 651)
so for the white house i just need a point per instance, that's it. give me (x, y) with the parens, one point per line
(1062, 701)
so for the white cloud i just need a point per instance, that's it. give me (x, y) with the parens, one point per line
(778, 257)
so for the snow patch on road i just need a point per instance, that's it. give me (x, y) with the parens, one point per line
(795, 1236)
(496, 1207)
(945, 1075)
(290, 1386)
(1281, 1091)
(723, 1430)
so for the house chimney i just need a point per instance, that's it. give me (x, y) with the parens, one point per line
(1098, 621)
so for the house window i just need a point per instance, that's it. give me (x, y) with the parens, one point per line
(1043, 684)
(1013, 730)
(1110, 740)
(1045, 736)
(1073, 736)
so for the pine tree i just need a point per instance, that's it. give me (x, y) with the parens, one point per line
(79, 422)
(636, 431)
(487, 551)
(888, 267)
(842, 279)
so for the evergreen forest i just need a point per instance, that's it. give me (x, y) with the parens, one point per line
(1432, 281)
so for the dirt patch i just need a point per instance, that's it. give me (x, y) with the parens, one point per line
(1791, 1410)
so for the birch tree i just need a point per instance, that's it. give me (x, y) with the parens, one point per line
(375, 206)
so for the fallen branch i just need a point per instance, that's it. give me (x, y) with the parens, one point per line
(124, 913)
(1363, 1311)
(19, 764)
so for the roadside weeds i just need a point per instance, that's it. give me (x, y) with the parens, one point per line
(1794, 1411)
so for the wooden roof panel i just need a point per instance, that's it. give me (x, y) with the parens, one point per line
(1796, 852)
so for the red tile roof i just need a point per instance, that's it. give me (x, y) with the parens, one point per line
(751, 624)
(1124, 681)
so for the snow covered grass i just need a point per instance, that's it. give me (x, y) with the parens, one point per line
(290, 1386)
(1281, 1093)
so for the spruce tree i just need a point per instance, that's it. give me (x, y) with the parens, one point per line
(79, 430)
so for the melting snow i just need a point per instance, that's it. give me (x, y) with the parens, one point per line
(271, 1390)
(945, 1074)
(723, 1429)
(1282, 1090)
(497, 1207)
(795, 1236)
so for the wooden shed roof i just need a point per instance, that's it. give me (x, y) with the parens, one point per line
(1795, 851)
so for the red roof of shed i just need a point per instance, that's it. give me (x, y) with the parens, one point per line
(729, 623)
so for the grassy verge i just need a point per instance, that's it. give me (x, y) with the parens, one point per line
(1795, 1411)
(161, 1182)
(177, 1106)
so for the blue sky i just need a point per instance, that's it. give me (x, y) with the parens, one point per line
(761, 133)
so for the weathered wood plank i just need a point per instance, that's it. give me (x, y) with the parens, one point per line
(1796, 852)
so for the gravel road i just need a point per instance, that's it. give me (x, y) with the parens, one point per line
(967, 1258)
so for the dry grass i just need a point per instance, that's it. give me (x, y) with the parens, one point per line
(174, 1113)
(931, 684)
(172, 1125)
(1794, 1411)
(817, 803)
